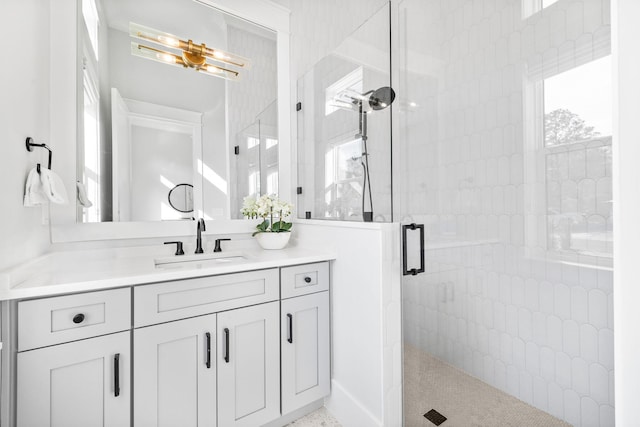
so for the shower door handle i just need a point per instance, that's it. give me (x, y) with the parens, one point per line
(413, 271)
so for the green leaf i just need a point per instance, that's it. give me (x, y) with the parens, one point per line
(263, 226)
(286, 226)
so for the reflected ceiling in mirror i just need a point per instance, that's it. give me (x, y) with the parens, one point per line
(145, 126)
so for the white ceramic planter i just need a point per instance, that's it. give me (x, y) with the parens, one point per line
(273, 240)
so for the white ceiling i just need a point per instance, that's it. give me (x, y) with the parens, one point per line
(186, 19)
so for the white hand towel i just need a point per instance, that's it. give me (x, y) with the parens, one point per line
(82, 195)
(53, 187)
(33, 192)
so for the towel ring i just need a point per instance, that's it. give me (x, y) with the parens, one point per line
(30, 144)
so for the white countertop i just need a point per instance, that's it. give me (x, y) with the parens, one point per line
(77, 271)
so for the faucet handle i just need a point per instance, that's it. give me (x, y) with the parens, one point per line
(179, 249)
(217, 248)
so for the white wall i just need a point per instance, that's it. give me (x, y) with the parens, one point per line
(24, 111)
(319, 27)
(365, 319)
(626, 33)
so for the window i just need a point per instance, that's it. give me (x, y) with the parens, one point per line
(254, 184)
(270, 142)
(90, 174)
(92, 23)
(577, 104)
(343, 179)
(252, 142)
(335, 95)
(578, 160)
(531, 7)
(272, 182)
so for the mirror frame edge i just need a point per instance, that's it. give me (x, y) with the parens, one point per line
(63, 102)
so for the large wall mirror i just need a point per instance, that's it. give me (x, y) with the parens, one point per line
(180, 92)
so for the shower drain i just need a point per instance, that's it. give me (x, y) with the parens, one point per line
(435, 417)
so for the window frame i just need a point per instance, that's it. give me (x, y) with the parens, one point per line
(535, 181)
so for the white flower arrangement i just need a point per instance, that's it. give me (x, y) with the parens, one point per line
(268, 207)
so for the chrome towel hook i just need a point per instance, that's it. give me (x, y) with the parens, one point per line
(30, 144)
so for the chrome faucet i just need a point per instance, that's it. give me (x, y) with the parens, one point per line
(200, 229)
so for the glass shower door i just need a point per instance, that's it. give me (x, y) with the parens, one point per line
(502, 151)
(344, 133)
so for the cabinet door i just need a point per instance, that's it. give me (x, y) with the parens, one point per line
(248, 366)
(79, 384)
(305, 350)
(174, 372)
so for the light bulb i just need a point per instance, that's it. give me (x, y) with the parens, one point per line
(214, 69)
(169, 41)
(166, 58)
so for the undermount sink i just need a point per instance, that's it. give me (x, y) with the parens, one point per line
(199, 260)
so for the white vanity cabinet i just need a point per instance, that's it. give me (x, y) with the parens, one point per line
(249, 366)
(230, 350)
(304, 335)
(67, 374)
(174, 373)
(78, 384)
(305, 350)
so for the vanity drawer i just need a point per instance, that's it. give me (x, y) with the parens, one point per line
(304, 279)
(164, 302)
(48, 321)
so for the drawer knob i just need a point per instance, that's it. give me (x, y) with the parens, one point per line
(307, 279)
(78, 318)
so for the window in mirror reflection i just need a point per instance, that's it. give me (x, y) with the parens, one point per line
(91, 173)
(91, 148)
(254, 184)
(272, 183)
(92, 23)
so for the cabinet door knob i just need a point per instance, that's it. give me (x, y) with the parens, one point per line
(307, 279)
(78, 318)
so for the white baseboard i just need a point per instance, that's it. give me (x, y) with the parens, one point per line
(348, 410)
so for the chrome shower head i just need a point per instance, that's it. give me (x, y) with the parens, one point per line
(375, 100)
(381, 98)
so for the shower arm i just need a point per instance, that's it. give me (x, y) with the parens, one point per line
(362, 122)
(366, 184)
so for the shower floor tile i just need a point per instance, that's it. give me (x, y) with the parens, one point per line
(464, 400)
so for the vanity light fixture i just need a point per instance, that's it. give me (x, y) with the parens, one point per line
(192, 56)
